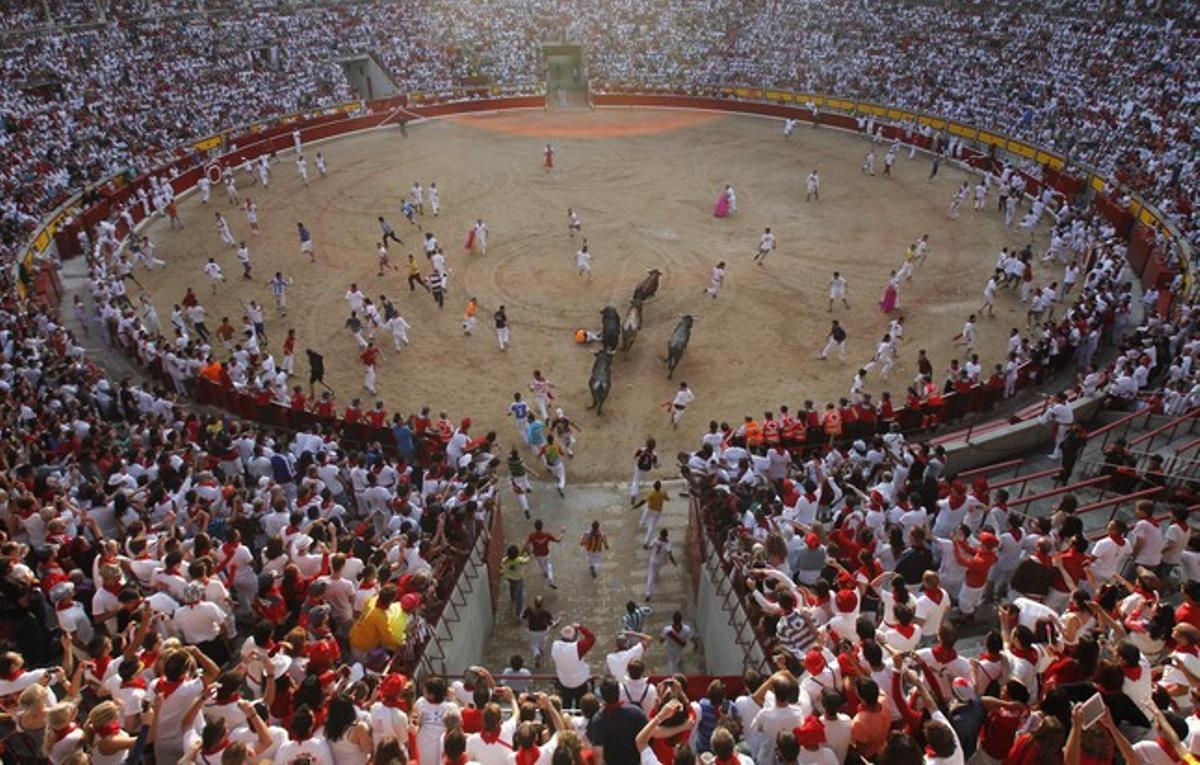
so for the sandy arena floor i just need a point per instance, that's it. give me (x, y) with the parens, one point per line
(644, 183)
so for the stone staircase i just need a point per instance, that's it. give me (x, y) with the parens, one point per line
(1035, 490)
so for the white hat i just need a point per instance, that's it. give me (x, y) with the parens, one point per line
(61, 592)
(569, 633)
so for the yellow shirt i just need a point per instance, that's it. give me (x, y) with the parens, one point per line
(372, 631)
(414, 268)
(655, 500)
(514, 568)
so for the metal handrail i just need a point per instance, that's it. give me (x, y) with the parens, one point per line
(987, 470)
(1084, 484)
(1172, 425)
(1116, 502)
(1025, 479)
(1106, 430)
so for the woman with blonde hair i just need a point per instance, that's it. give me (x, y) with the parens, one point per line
(63, 736)
(29, 719)
(104, 737)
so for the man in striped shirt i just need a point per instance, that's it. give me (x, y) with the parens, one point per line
(594, 543)
(437, 287)
(634, 619)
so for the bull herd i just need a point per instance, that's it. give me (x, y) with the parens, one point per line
(616, 332)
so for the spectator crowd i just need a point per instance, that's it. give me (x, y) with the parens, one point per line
(191, 587)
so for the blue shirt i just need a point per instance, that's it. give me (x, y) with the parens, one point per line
(404, 440)
(304, 235)
(519, 410)
(535, 433)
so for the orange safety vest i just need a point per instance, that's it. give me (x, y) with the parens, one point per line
(832, 422)
(771, 431)
(754, 434)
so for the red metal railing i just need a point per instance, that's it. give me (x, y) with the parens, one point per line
(1123, 424)
(1024, 480)
(1115, 503)
(1172, 426)
(987, 470)
(1084, 484)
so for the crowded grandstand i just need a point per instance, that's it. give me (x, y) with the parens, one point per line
(204, 561)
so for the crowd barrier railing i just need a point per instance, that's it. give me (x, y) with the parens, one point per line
(712, 563)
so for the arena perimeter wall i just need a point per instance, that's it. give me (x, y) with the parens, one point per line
(231, 148)
(1139, 223)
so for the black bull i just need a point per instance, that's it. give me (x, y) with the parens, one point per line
(611, 328)
(678, 344)
(600, 383)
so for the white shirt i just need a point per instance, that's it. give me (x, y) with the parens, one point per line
(199, 623)
(1152, 542)
(316, 749)
(497, 753)
(572, 670)
(954, 759)
(618, 661)
(931, 612)
(1110, 557)
(175, 706)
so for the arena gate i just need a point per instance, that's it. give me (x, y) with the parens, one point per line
(566, 76)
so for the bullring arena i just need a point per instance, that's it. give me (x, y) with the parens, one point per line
(643, 182)
(266, 494)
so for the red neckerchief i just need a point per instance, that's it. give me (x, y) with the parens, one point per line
(115, 589)
(62, 733)
(1028, 654)
(221, 746)
(1133, 674)
(166, 687)
(112, 729)
(528, 756)
(1016, 534)
(364, 585)
(99, 666)
(989, 656)
(943, 654)
(1044, 559)
(16, 673)
(459, 760)
(1168, 749)
(148, 658)
(491, 737)
(906, 630)
(64, 605)
(1120, 540)
(955, 501)
(137, 681)
(934, 595)
(1153, 522)
(1191, 650)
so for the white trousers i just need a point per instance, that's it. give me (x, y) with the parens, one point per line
(547, 567)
